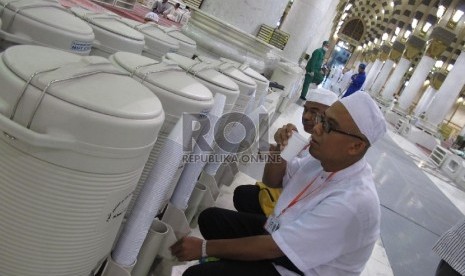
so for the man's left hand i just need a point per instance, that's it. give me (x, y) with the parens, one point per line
(187, 249)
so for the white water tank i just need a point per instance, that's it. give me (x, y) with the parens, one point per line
(157, 43)
(111, 35)
(260, 80)
(247, 86)
(178, 92)
(43, 22)
(187, 46)
(211, 78)
(289, 75)
(75, 134)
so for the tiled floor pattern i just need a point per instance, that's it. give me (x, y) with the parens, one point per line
(378, 265)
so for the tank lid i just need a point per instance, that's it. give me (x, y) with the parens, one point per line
(49, 13)
(90, 82)
(255, 75)
(245, 68)
(236, 74)
(109, 22)
(228, 69)
(176, 33)
(152, 31)
(203, 71)
(290, 68)
(166, 75)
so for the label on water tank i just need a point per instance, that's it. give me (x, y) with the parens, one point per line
(114, 208)
(81, 46)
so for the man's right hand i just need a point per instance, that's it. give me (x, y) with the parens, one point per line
(283, 134)
(311, 74)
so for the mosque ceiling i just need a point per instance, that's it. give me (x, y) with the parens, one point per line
(389, 21)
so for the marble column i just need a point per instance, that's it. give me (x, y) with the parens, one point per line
(372, 74)
(382, 77)
(368, 68)
(325, 32)
(425, 101)
(436, 47)
(411, 50)
(304, 23)
(245, 15)
(448, 93)
(416, 82)
(395, 53)
(394, 81)
(384, 71)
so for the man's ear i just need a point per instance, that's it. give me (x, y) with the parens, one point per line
(358, 147)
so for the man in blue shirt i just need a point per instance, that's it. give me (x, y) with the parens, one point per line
(357, 81)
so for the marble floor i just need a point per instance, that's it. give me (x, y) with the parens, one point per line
(418, 203)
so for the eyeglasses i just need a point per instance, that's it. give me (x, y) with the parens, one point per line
(328, 128)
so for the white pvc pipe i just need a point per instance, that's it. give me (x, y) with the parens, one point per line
(210, 182)
(194, 210)
(194, 200)
(178, 223)
(114, 269)
(151, 247)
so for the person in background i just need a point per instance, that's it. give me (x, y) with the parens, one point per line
(344, 80)
(451, 248)
(151, 17)
(161, 6)
(313, 73)
(187, 12)
(326, 70)
(185, 16)
(336, 73)
(323, 73)
(253, 198)
(326, 221)
(357, 81)
(173, 14)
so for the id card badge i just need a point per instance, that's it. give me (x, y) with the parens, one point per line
(272, 224)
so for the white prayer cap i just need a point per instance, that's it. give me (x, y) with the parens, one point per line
(322, 96)
(366, 115)
(151, 16)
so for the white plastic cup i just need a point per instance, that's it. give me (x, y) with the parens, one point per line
(295, 145)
